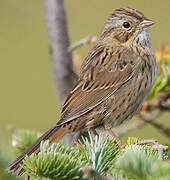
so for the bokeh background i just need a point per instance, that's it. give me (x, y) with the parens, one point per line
(27, 92)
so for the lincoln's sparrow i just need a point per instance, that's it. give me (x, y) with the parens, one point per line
(115, 78)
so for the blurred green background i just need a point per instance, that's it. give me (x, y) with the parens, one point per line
(27, 91)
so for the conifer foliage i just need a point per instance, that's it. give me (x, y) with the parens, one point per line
(101, 157)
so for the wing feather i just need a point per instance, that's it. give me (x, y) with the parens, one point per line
(97, 83)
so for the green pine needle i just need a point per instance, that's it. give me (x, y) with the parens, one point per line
(104, 155)
(54, 162)
(160, 171)
(60, 161)
(22, 139)
(5, 159)
(132, 140)
(137, 161)
(101, 152)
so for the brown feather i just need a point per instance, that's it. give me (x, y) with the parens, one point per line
(129, 12)
(90, 93)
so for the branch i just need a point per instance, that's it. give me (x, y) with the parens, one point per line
(62, 65)
(159, 147)
(27, 177)
(82, 42)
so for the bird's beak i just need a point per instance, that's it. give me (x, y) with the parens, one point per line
(146, 23)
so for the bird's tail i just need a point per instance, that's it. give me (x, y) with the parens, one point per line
(53, 135)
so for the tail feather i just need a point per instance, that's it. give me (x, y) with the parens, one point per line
(53, 135)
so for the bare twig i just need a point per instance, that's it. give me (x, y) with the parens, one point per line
(166, 104)
(27, 177)
(82, 42)
(62, 65)
(159, 147)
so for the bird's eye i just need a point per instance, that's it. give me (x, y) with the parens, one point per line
(126, 25)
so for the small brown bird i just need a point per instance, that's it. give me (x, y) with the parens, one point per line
(115, 79)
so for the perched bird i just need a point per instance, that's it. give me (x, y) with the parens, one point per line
(115, 79)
